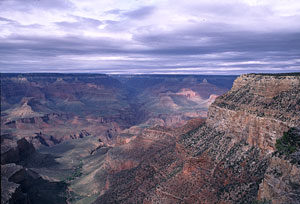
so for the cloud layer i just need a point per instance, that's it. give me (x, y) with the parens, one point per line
(157, 36)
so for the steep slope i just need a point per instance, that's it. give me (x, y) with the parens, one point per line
(281, 182)
(258, 108)
(217, 162)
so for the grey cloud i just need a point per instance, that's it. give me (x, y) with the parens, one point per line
(81, 22)
(200, 40)
(231, 9)
(12, 24)
(139, 13)
(54, 46)
(198, 47)
(25, 5)
(7, 20)
(229, 51)
(111, 22)
(126, 17)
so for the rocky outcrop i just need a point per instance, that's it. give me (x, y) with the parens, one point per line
(281, 183)
(267, 85)
(259, 108)
(11, 192)
(14, 152)
(21, 185)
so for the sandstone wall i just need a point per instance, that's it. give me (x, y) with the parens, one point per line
(258, 109)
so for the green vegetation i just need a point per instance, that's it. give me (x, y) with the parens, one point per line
(278, 74)
(77, 172)
(288, 143)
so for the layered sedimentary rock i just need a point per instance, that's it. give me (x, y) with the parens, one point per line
(281, 183)
(22, 185)
(259, 108)
(202, 166)
(48, 109)
(223, 160)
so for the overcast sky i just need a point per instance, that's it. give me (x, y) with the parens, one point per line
(151, 36)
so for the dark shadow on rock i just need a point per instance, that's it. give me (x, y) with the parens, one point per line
(39, 160)
(39, 190)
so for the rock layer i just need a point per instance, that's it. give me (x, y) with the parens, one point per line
(259, 108)
(223, 160)
(281, 182)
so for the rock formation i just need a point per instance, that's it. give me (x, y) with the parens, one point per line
(49, 109)
(14, 152)
(229, 158)
(281, 183)
(259, 108)
(22, 185)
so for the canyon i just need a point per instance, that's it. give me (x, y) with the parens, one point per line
(149, 138)
(48, 109)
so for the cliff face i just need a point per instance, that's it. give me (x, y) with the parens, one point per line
(259, 108)
(225, 159)
(281, 183)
